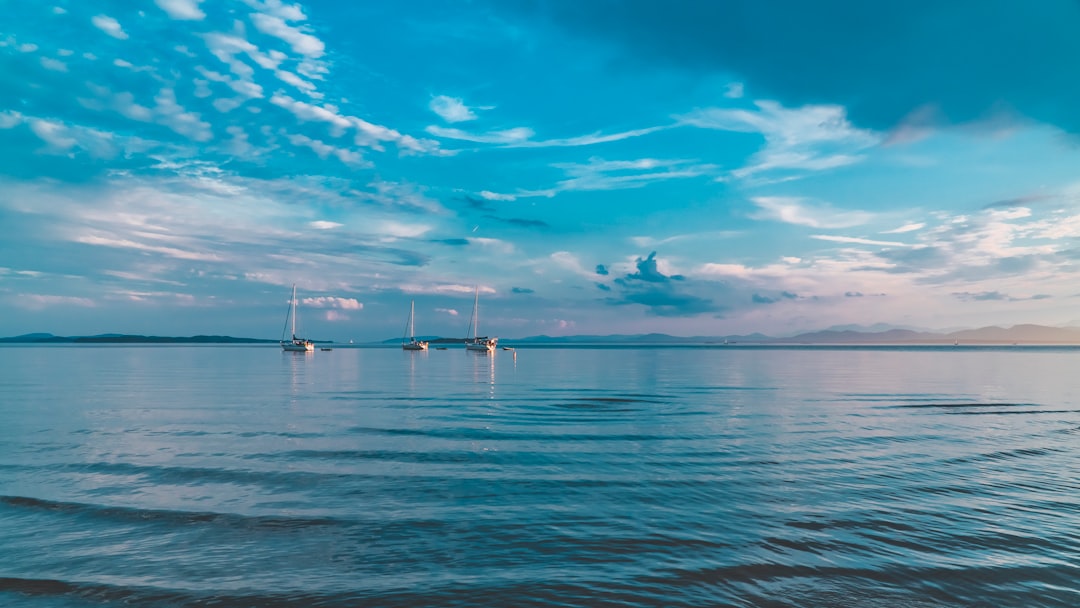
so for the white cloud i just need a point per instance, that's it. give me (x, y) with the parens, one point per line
(28, 47)
(174, 116)
(300, 41)
(569, 261)
(10, 119)
(716, 270)
(122, 243)
(449, 311)
(810, 138)
(367, 134)
(289, 78)
(910, 227)
(324, 150)
(856, 240)
(53, 64)
(451, 109)
(500, 246)
(600, 174)
(247, 89)
(62, 138)
(400, 230)
(110, 26)
(308, 112)
(734, 90)
(506, 136)
(793, 210)
(495, 196)
(1010, 214)
(183, 10)
(333, 302)
(53, 133)
(324, 225)
(653, 242)
(521, 137)
(400, 195)
(586, 140)
(35, 301)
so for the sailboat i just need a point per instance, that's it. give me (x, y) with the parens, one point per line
(410, 332)
(296, 344)
(474, 342)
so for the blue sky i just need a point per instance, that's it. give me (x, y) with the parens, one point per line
(694, 168)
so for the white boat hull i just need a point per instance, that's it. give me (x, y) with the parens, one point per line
(483, 346)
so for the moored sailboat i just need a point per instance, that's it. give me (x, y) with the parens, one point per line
(474, 342)
(295, 344)
(410, 332)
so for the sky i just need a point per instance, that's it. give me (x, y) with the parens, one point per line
(173, 167)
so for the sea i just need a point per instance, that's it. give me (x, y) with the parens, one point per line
(707, 475)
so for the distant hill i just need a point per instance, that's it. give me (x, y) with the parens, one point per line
(653, 338)
(41, 338)
(1017, 334)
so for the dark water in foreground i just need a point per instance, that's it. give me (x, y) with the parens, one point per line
(244, 476)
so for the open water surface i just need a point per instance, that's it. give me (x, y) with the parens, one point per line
(727, 476)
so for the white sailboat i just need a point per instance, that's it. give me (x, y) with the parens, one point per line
(474, 342)
(295, 344)
(410, 332)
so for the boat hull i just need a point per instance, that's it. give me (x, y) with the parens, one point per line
(415, 346)
(298, 347)
(482, 345)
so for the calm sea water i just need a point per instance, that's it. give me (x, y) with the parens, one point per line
(727, 476)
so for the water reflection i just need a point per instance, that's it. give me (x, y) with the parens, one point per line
(296, 364)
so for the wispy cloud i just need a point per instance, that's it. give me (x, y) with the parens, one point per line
(182, 10)
(273, 19)
(505, 136)
(793, 210)
(599, 174)
(649, 241)
(110, 26)
(522, 137)
(333, 302)
(451, 109)
(987, 296)
(856, 240)
(809, 138)
(912, 227)
(35, 301)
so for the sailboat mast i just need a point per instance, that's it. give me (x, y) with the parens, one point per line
(412, 313)
(475, 310)
(294, 311)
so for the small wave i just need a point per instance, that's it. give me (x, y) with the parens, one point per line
(1006, 455)
(443, 457)
(201, 475)
(132, 514)
(850, 524)
(107, 594)
(957, 405)
(475, 434)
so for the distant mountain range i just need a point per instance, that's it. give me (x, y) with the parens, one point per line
(1017, 334)
(129, 339)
